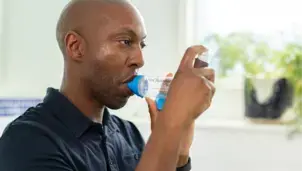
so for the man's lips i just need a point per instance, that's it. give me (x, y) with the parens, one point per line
(129, 79)
(126, 90)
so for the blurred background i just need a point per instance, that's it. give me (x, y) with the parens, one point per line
(255, 46)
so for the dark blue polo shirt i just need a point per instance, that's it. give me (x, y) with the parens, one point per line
(56, 136)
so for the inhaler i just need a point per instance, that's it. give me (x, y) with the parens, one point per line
(156, 87)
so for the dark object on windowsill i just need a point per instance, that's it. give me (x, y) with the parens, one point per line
(274, 107)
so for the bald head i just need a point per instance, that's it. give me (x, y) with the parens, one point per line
(102, 42)
(79, 13)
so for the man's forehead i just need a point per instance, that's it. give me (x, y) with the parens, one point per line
(137, 32)
(103, 16)
(122, 18)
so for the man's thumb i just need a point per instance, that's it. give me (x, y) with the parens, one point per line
(152, 107)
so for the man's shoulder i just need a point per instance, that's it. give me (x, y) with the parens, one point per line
(27, 140)
(32, 118)
(35, 127)
(34, 123)
(25, 127)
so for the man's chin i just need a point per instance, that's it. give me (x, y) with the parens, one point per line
(118, 103)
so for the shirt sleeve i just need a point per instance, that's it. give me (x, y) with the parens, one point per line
(186, 167)
(27, 148)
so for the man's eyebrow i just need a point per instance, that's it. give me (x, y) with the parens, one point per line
(131, 32)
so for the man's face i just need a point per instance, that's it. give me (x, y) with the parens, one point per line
(113, 53)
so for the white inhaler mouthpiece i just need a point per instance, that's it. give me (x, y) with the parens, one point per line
(155, 87)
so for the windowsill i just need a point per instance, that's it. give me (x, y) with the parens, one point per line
(230, 83)
(206, 124)
(227, 125)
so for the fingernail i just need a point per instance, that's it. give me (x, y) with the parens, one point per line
(169, 74)
(148, 100)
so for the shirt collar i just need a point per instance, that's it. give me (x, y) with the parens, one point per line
(71, 116)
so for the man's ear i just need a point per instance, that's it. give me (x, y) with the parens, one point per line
(74, 44)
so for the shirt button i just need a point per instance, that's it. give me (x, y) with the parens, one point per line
(136, 157)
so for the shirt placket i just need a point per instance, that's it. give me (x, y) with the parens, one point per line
(110, 158)
(112, 161)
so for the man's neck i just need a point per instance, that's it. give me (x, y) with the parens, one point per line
(87, 105)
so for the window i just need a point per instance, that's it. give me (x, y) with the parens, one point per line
(244, 38)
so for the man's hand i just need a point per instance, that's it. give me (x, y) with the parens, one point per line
(187, 139)
(190, 94)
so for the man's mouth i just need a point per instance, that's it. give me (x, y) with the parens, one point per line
(129, 79)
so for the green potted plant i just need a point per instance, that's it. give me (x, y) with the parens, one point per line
(289, 64)
(254, 57)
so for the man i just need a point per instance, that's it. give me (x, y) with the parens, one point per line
(72, 130)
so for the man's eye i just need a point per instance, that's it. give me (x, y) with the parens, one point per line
(143, 44)
(126, 42)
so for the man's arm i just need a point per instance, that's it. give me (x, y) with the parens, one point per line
(162, 147)
(19, 150)
(183, 162)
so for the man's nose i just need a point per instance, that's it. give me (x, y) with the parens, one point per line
(136, 59)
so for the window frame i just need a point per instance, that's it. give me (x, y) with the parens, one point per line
(187, 29)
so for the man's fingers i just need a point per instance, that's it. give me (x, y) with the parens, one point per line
(208, 73)
(189, 56)
(213, 89)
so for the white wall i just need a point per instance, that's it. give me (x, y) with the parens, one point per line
(243, 148)
(33, 60)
